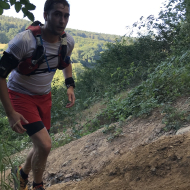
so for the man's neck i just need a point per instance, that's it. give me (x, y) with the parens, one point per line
(48, 36)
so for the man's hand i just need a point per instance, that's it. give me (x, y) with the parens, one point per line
(71, 97)
(15, 122)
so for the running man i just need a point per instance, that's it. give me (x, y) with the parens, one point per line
(27, 98)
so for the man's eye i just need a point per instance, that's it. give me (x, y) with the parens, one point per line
(57, 14)
(66, 16)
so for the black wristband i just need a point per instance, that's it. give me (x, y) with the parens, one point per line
(69, 82)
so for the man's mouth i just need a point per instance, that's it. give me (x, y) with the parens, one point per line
(61, 28)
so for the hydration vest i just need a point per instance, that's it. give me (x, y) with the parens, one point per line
(29, 65)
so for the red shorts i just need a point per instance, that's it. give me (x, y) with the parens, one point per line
(34, 108)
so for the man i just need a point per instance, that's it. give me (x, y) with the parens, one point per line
(27, 98)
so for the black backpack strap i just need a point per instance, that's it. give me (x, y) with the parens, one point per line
(29, 65)
(63, 52)
(39, 71)
(39, 52)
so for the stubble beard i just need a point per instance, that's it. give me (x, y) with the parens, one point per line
(54, 32)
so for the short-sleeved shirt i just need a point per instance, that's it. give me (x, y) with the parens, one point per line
(22, 46)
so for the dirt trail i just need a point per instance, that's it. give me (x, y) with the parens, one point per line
(163, 164)
(91, 154)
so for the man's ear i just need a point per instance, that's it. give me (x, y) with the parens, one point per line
(45, 16)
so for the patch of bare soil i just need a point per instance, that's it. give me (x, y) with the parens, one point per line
(93, 153)
(163, 164)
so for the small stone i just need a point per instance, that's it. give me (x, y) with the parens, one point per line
(153, 169)
(183, 130)
(129, 118)
(68, 175)
(53, 182)
(67, 179)
(64, 164)
(117, 152)
(52, 172)
(60, 175)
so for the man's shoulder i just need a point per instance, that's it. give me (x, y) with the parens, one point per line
(22, 44)
(22, 39)
(24, 36)
(70, 39)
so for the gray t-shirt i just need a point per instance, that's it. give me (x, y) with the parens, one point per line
(22, 46)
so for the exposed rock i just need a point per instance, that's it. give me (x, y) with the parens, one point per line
(183, 130)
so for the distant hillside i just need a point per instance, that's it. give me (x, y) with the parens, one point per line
(88, 45)
(93, 35)
(10, 26)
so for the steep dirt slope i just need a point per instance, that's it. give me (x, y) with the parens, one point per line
(90, 154)
(163, 164)
(143, 158)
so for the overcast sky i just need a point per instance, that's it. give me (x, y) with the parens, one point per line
(103, 16)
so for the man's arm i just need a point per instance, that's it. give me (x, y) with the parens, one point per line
(70, 91)
(4, 96)
(13, 116)
(67, 71)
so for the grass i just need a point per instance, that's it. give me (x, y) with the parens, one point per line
(2, 46)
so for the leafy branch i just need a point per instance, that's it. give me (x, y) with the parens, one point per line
(22, 5)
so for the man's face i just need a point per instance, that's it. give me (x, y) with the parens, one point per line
(57, 18)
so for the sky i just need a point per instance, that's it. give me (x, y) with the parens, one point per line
(102, 16)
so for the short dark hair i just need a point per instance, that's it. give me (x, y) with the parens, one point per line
(48, 4)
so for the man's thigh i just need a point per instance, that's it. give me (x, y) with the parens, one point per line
(35, 109)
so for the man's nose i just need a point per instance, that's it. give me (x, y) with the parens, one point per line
(63, 20)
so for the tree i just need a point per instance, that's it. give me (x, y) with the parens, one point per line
(23, 5)
(3, 38)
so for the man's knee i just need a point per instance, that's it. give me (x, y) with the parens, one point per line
(42, 141)
(44, 148)
(47, 149)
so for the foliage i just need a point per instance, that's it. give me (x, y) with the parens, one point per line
(120, 66)
(174, 119)
(4, 161)
(167, 82)
(22, 5)
(10, 26)
(78, 69)
(113, 131)
(20, 141)
(87, 50)
(171, 27)
(92, 35)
